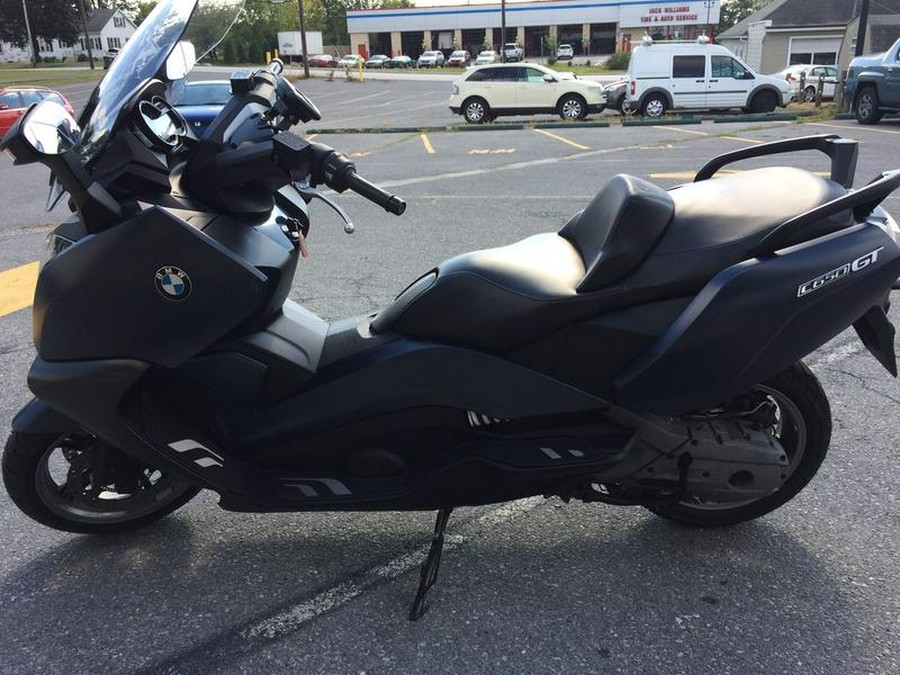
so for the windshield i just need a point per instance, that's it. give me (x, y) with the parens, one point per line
(202, 93)
(144, 56)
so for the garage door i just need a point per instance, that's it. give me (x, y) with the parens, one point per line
(819, 50)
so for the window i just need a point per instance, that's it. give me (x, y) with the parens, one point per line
(113, 43)
(825, 58)
(689, 66)
(119, 21)
(44, 45)
(478, 76)
(9, 100)
(798, 58)
(51, 96)
(725, 66)
(29, 97)
(534, 75)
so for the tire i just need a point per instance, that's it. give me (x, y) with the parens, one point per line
(866, 106)
(809, 94)
(655, 105)
(33, 465)
(476, 110)
(764, 102)
(571, 107)
(624, 107)
(804, 428)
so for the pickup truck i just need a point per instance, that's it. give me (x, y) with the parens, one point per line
(873, 85)
(512, 51)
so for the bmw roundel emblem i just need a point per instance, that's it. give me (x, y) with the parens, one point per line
(173, 283)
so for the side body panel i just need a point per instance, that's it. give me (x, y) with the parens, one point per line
(755, 318)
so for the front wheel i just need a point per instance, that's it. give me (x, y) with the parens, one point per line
(572, 107)
(866, 107)
(764, 102)
(79, 483)
(802, 426)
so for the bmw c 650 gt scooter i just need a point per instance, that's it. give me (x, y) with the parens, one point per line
(646, 354)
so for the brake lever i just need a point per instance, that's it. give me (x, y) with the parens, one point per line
(305, 190)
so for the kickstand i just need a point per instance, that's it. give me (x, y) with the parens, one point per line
(431, 565)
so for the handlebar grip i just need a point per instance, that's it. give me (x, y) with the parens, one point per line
(390, 203)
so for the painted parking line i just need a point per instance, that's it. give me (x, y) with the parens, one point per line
(492, 151)
(429, 148)
(17, 287)
(690, 175)
(682, 131)
(364, 98)
(860, 127)
(562, 140)
(742, 139)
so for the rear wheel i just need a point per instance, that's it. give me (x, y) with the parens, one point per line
(79, 483)
(476, 110)
(866, 107)
(802, 426)
(764, 102)
(809, 94)
(655, 105)
(572, 107)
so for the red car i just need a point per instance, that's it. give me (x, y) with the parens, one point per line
(14, 101)
(322, 61)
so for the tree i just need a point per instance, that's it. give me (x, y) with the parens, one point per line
(735, 11)
(49, 19)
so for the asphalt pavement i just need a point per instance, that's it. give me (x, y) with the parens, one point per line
(536, 586)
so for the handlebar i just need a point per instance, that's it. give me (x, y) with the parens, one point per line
(339, 173)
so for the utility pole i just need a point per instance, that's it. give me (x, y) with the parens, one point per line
(861, 33)
(502, 30)
(303, 40)
(30, 37)
(87, 38)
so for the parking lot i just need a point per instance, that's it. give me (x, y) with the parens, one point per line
(533, 587)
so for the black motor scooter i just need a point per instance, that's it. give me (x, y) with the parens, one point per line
(646, 354)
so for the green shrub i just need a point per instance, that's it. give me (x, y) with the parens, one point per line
(618, 61)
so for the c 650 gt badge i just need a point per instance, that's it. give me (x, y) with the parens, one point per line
(824, 279)
(173, 283)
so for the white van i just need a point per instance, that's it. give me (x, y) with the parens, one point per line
(667, 75)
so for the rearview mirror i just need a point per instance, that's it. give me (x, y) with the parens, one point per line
(3, 106)
(181, 60)
(549, 78)
(49, 129)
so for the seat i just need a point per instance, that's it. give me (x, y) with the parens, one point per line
(634, 243)
(718, 222)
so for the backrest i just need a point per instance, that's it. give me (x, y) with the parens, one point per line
(618, 228)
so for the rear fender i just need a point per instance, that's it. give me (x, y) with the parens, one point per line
(757, 317)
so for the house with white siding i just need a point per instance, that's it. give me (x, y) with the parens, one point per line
(107, 29)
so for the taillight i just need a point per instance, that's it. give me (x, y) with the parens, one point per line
(631, 88)
(455, 89)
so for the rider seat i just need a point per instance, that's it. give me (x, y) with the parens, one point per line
(634, 243)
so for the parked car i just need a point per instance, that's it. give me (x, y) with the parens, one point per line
(350, 61)
(201, 101)
(459, 59)
(108, 57)
(401, 62)
(565, 53)
(485, 57)
(322, 61)
(513, 51)
(808, 76)
(377, 61)
(617, 97)
(485, 92)
(14, 101)
(431, 59)
(666, 76)
(873, 85)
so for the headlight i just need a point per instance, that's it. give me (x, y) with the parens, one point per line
(455, 89)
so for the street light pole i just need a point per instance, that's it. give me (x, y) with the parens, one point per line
(30, 37)
(861, 33)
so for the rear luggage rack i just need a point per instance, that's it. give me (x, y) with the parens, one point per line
(842, 151)
(862, 201)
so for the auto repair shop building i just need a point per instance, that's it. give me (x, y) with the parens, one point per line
(591, 27)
